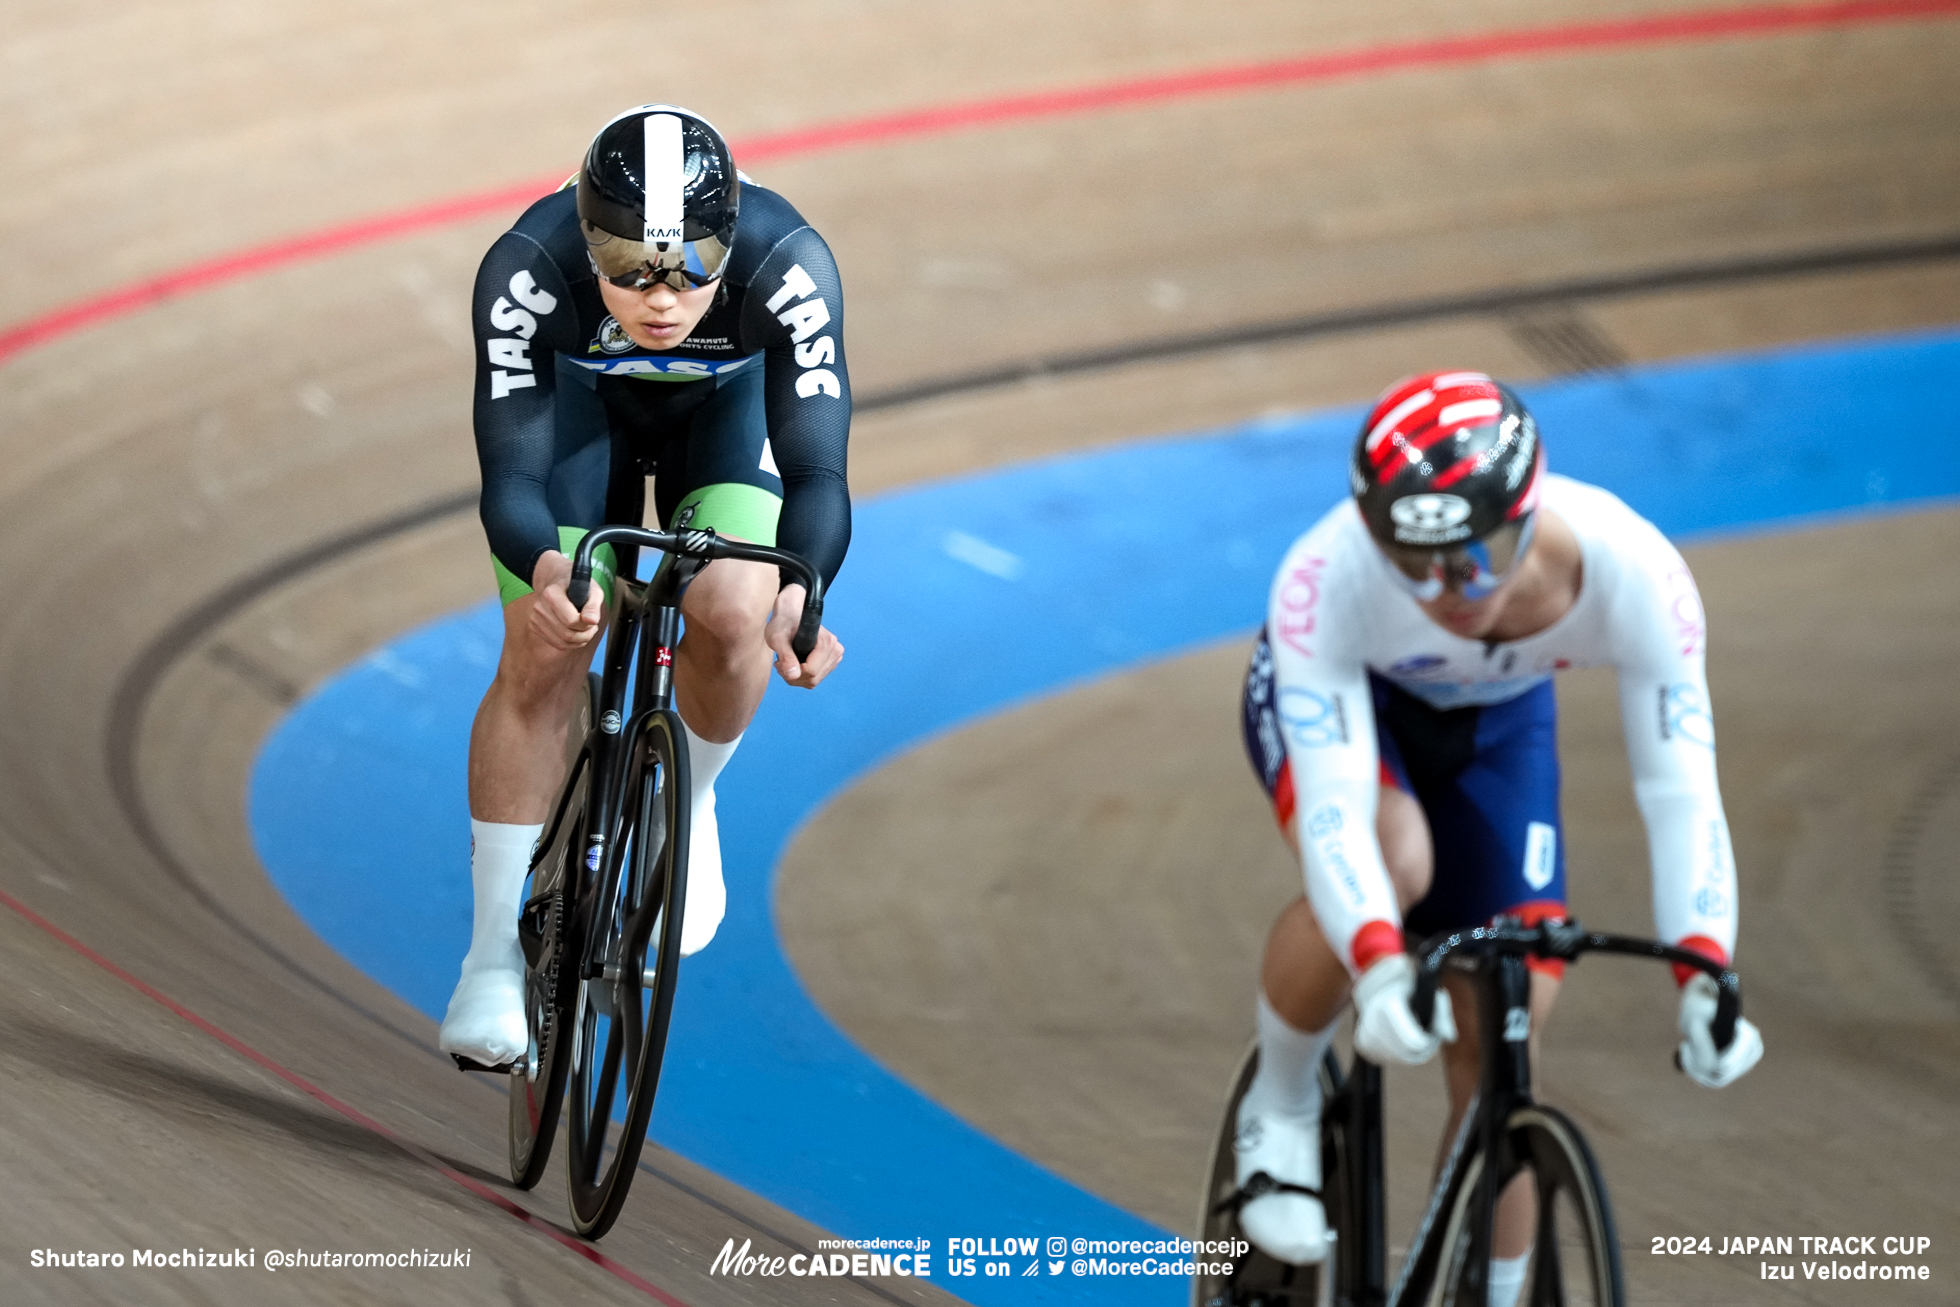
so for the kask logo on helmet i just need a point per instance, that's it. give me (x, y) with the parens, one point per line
(1430, 519)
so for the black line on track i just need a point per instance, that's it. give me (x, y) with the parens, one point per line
(1906, 861)
(1404, 313)
(132, 697)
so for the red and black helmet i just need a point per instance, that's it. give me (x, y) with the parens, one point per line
(1446, 473)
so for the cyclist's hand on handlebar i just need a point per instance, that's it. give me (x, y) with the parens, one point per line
(553, 619)
(1697, 1055)
(802, 673)
(1385, 1029)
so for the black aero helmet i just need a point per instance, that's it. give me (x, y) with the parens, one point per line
(1446, 474)
(657, 199)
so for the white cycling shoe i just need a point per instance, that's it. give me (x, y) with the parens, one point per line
(707, 895)
(1277, 1156)
(485, 1022)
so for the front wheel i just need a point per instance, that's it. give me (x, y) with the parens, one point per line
(618, 1028)
(1575, 1252)
(1575, 1259)
(537, 1082)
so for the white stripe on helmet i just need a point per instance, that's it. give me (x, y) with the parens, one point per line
(666, 175)
(1468, 411)
(1395, 415)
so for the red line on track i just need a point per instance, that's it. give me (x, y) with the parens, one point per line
(1659, 29)
(1655, 30)
(353, 1114)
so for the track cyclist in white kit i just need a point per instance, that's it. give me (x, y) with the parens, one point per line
(1399, 711)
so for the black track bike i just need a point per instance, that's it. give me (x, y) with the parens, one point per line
(601, 922)
(1575, 1255)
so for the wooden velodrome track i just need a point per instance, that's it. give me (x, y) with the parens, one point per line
(208, 506)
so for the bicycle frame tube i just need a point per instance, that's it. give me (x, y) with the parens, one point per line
(663, 617)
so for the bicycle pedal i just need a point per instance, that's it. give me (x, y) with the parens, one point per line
(471, 1064)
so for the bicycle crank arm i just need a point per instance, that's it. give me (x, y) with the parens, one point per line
(471, 1064)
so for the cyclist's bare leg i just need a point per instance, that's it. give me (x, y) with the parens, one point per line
(517, 753)
(722, 665)
(1517, 1206)
(1304, 980)
(518, 741)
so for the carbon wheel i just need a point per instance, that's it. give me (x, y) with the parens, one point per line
(1257, 1280)
(1575, 1260)
(618, 1028)
(537, 1083)
(1575, 1253)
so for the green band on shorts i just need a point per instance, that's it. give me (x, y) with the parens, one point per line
(605, 565)
(732, 509)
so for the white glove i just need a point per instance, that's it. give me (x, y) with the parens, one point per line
(1386, 1030)
(1697, 1055)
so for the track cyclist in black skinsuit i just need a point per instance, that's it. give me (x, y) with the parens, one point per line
(662, 314)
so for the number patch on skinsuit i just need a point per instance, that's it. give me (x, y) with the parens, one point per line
(1540, 854)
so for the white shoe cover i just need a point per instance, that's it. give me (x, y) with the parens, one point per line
(707, 897)
(1288, 1226)
(485, 1021)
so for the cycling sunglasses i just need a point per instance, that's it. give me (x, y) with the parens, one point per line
(1474, 570)
(637, 265)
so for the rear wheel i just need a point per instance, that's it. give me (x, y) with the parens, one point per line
(618, 1028)
(1255, 1279)
(537, 1082)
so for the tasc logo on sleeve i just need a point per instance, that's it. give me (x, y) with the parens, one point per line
(511, 354)
(805, 320)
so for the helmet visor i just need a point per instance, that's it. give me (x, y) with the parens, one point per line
(640, 265)
(1475, 569)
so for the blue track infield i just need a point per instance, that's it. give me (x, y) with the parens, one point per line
(961, 599)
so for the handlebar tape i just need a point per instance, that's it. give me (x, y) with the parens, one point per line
(1728, 1006)
(1422, 1004)
(805, 639)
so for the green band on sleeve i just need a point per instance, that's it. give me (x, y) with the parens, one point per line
(605, 566)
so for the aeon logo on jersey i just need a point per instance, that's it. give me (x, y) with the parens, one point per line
(1298, 599)
(1430, 519)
